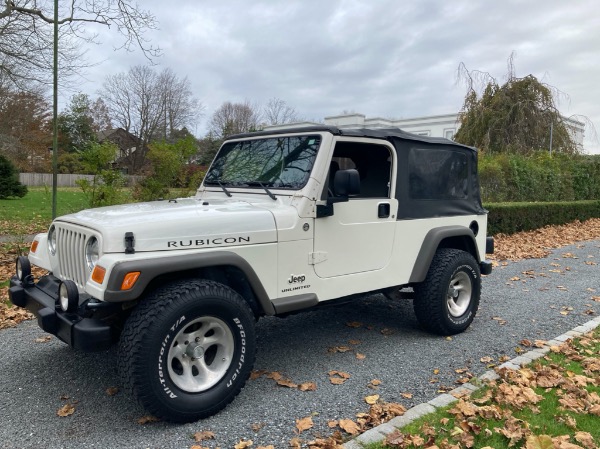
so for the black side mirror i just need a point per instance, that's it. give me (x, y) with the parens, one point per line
(346, 183)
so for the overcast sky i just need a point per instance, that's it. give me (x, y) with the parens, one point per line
(381, 58)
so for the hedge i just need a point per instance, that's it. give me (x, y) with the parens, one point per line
(508, 218)
(539, 177)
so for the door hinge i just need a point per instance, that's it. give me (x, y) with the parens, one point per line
(317, 257)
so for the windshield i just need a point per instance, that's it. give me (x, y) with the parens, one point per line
(279, 162)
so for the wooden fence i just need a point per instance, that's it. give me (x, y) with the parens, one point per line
(63, 179)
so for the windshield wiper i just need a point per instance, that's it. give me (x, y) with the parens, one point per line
(224, 189)
(255, 183)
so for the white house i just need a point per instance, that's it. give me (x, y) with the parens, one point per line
(433, 125)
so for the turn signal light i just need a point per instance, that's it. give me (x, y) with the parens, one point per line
(129, 280)
(34, 246)
(98, 274)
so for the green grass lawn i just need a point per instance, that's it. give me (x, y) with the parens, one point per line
(33, 213)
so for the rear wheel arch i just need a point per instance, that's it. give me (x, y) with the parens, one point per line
(452, 237)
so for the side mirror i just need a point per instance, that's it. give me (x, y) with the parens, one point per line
(346, 183)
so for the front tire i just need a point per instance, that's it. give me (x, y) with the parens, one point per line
(447, 300)
(188, 349)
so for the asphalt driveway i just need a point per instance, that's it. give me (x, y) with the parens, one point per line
(531, 299)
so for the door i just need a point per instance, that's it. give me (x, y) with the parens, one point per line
(359, 236)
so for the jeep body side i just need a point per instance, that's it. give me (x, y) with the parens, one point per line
(283, 222)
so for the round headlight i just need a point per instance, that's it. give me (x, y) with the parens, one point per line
(52, 240)
(68, 296)
(92, 252)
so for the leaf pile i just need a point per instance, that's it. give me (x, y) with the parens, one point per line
(562, 387)
(538, 244)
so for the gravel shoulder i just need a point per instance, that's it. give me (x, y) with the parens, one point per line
(529, 299)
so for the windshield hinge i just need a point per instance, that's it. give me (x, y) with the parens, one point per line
(129, 243)
(317, 257)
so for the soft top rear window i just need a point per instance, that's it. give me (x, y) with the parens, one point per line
(437, 174)
(279, 162)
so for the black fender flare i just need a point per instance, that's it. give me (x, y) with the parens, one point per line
(151, 268)
(431, 243)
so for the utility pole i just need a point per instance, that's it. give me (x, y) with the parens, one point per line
(551, 129)
(55, 113)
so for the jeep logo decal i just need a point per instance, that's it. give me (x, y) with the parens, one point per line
(296, 279)
(207, 242)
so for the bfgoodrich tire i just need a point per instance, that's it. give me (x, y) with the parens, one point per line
(447, 300)
(187, 350)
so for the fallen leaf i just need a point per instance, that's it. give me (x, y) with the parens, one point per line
(586, 439)
(44, 339)
(406, 395)
(274, 375)
(354, 342)
(270, 446)
(304, 424)
(66, 410)
(204, 435)
(257, 426)
(147, 419)
(111, 391)
(307, 386)
(349, 426)
(354, 324)
(339, 349)
(371, 399)
(375, 382)
(287, 383)
(360, 356)
(539, 442)
(243, 444)
(296, 443)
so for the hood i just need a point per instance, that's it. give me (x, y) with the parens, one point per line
(186, 223)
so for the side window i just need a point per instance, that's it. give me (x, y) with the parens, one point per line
(373, 163)
(437, 174)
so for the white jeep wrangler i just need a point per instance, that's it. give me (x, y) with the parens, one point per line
(284, 221)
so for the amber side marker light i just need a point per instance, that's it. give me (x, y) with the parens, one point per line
(34, 246)
(130, 279)
(98, 274)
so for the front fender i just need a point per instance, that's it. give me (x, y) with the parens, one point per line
(152, 268)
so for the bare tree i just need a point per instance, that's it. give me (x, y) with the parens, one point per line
(234, 118)
(26, 30)
(150, 106)
(278, 112)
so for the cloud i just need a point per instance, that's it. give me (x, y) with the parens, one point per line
(381, 58)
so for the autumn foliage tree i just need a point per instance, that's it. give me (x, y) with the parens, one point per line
(518, 116)
(24, 129)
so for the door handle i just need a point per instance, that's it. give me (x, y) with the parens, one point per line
(383, 210)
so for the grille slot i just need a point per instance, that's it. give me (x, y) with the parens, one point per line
(71, 255)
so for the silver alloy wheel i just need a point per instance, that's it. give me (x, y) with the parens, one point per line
(200, 354)
(459, 294)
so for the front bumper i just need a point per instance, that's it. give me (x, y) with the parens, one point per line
(79, 332)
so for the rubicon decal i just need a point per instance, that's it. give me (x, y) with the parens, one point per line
(207, 242)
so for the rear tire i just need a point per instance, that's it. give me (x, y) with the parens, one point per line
(187, 350)
(447, 300)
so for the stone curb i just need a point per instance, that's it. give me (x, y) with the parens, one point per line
(378, 434)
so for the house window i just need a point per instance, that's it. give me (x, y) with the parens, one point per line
(449, 133)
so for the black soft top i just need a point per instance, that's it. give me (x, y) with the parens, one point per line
(374, 133)
(436, 177)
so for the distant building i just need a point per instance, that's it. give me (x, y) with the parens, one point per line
(433, 126)
(128, 146)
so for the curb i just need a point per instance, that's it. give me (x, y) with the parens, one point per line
(378, 434)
